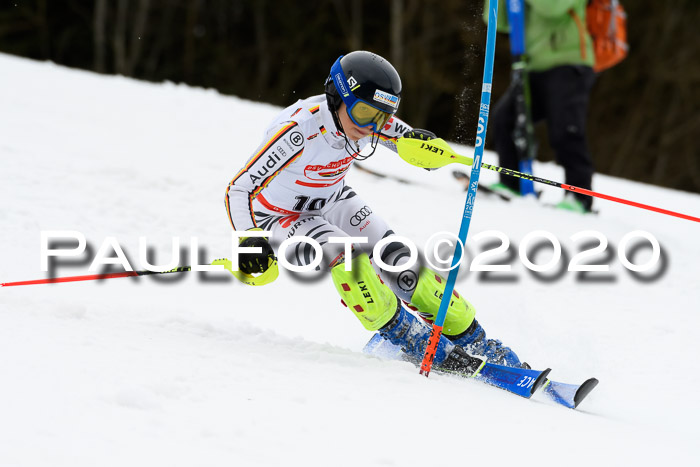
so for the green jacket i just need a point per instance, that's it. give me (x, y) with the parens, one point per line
(555, 32)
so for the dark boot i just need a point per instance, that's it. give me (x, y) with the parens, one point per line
(411, 334)
(474, 341)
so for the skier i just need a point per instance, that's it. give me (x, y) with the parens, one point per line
(559, 67)
(294, 185)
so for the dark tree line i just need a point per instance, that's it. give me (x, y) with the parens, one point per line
(645, 113)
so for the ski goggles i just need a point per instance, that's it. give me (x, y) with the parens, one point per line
(361, 112)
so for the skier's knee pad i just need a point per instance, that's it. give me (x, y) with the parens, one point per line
(427, 297)
(364, 294)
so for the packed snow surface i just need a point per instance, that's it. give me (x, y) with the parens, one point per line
(196, 369)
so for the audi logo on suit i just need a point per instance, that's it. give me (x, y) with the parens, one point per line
(360, 215)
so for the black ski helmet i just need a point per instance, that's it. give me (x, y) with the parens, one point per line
(365, 76)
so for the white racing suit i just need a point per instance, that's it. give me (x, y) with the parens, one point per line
(294, 185)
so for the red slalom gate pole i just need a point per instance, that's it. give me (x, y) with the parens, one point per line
(93, 277)
(583, 191)
(576, 189)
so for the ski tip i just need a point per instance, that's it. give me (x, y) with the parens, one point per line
(584, 390)
(541, 379)
(459, 175)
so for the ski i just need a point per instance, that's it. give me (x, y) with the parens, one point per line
(520, 381)
(459, 175)
(568, 395)
(463, 178)
(523, 382)
(362, 168)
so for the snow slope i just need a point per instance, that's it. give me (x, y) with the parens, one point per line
(181, 370)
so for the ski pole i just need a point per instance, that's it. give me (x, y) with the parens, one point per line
(523, 132)
(93, 277)
(437, 153)
(436, 330)
(265, 278)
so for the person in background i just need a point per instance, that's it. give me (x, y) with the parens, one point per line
(560, 66)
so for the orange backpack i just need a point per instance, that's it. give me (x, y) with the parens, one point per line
(606, 22)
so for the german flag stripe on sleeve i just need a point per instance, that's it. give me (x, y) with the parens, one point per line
(259, 154)
(228, 209)
(274, 174)
(277, 136)
(313, 110)
(386, 138)
(250, 207)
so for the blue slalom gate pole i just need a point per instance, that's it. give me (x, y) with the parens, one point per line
(436, 332)
(523, 133)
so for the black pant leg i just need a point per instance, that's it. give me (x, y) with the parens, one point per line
(503, 124)
(504, 118)
(568, 90)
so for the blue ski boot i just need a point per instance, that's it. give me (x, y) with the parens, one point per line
(474, 341)
(460, 326)
(411, 335)
(378, 308)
